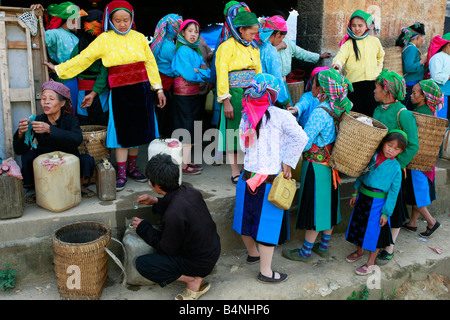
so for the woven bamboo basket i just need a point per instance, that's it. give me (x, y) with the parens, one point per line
(296, 90)
(80, 260)
(355, 144)
(393, 60)
(431, 131)
(94, 142)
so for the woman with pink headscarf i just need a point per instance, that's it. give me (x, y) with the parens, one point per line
(309, 100)
(271, 33)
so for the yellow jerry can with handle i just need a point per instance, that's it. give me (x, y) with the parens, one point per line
(282, 192)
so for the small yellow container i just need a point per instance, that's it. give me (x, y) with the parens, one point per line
(282, 192)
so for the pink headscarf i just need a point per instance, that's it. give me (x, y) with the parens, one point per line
(185, 22)
(313, 73)
(435, 45)
(269, 25)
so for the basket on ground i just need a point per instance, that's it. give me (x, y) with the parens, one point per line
(393, 59)
(80, 260)
(94, 142)
(356, 143)
(430, 131)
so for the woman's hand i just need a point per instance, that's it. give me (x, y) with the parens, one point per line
(203, 66)
(287, 171)
(292, 109)
(23, 127)
(40, 127)
(228, 109)
(147, 199)
(88, 99)
(336, 67)
(50, 65)
(37, 7)
(161, 99)
(325, 55)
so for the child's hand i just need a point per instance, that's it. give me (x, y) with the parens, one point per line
(383, 221)
(136, 222)
(203, 66)
(352, 201)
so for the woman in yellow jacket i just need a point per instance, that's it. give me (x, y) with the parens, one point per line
(361, 61)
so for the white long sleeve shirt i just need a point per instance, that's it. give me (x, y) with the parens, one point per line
(281, 140)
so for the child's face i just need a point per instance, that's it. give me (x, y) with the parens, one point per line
(391, 149)
(191, 33)
(121, 20)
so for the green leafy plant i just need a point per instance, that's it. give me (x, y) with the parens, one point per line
(363, 294)
(391, 297)
(7, 278)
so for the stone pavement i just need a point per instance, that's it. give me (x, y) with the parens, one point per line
(25, 243)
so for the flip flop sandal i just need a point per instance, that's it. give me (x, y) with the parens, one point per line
(430, 231)
(87, 193)
(355, 256)
(193, 295)
(31, 199)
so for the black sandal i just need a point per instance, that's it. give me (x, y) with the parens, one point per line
(233, 179)
(264, 279)
(429, 231)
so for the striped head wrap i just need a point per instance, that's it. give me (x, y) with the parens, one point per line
(268, 25)
(168, 26)
(262, 93)
(238, 15)
(371, 27)
(393, 83)
(409, 33)
(433, 95)
(336, 88)
(110, 8)
(63, 11)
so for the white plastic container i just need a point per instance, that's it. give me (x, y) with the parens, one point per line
(172, 147)
(57, 189)
(134, 247)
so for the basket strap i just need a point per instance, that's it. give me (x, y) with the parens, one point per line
(446, 139)
(398, 117)
(117, 261)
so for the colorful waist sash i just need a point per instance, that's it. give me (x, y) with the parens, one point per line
(318, 154)
(183, 88)
(127, 74)
(167, 82)
(241, 78)
(85, 85)
(374, 193)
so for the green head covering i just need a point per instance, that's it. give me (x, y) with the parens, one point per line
(401, 132)
(336, 87)
(393, 83)
(228, 6)
(363, 15)
(446, 36)
(65, 10)
(433, 94)
(245, 19)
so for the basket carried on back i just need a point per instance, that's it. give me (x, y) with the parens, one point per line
(80, 259)
(296, 90)
(393, 59)
(356, 143)
(430, 131)
(94, 142)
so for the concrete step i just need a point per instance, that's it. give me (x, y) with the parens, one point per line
(25, 242)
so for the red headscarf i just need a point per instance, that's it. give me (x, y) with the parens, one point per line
(111, 7)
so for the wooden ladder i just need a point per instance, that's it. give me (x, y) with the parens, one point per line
(10, 95)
